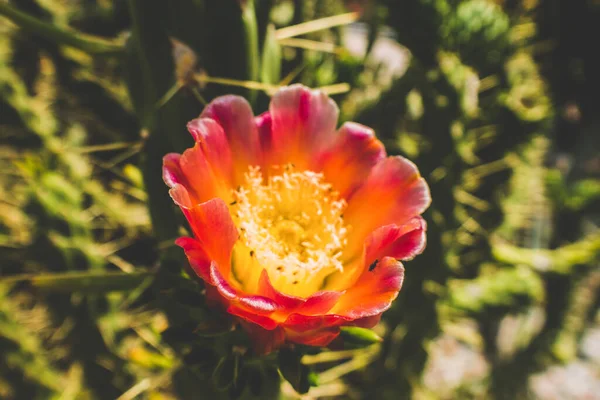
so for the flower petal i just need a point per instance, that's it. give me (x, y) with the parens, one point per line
(204, 170)
(303, 124)
(197, 257)
(181, 196)
(235, 115)
(264, 124)
(305, 323)
(393, 193)
(172, 173)
(374, 291)
(250, 316)
(183, 189)
(318, 330)
(245, 267)
(347, 163)
(214, 229)
(286, 301)
(199, 179)
(215, 146)
(253, 303)
(318, 303)
(401, 242)
(367, 322)
(320, 338)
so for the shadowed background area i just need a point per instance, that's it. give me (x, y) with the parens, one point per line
(496, 101)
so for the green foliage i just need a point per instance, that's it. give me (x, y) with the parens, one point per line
(271, 58)
(498, 288)
(428, 16)
(478, 31)
(292, 369)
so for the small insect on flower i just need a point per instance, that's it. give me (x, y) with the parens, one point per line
(373, 265)
(298, 227)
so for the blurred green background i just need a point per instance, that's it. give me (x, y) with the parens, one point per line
(497, 102)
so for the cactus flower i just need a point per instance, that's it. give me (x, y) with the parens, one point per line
(299, 228)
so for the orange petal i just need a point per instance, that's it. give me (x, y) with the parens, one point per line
(318, 330)
(210, 137)
(401, 242)
(374, 291)
(181, 196)
(318, 303)
(213, 228)
(306, 323)
(235, 115)
(347, 163)
(318, 338)
(249, 316)
(184, 190)
(303, 125)
(200, 180)
(204, 170)
(393, 193)
(197, 257)
(286, 301)
(254, 304)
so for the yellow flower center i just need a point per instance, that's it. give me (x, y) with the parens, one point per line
(291, 225)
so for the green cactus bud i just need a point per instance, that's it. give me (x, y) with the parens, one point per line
(357, 336)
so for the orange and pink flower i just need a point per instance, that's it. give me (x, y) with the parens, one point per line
(298, 227)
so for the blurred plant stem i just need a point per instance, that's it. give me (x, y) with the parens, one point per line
(316, 25)
(267, 88)
(62, 36)
(581, 301)
(150, 74)
(560, 260)
(97, 282)
(251, 40)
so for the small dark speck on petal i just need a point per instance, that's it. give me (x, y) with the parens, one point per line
(373, 265)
